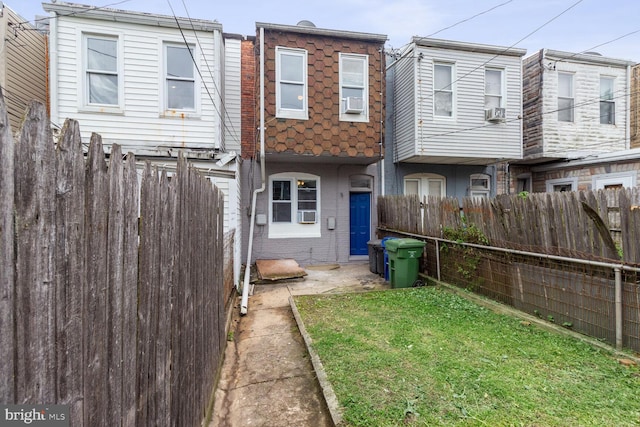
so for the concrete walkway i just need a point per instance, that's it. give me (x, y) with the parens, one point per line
(267, 378)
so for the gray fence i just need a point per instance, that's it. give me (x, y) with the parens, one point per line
(112, 298)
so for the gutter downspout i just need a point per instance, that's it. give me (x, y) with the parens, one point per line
(247, 270)
(627, 128)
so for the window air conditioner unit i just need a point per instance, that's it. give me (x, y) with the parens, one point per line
(354, 105)
(307, 217)
(496, 114)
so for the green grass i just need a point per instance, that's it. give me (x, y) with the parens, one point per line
(424, 356)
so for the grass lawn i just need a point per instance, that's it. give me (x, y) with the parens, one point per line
(424, 356)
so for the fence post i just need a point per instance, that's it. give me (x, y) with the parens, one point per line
(438, 258)
(618, 273)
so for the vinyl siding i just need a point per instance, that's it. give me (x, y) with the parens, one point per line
(232, 92)
(585, 134)
(467, 134)
(141, 124)
(23, 74)
(404, 107)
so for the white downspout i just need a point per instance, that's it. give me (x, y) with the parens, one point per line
(247, 270)
(627, 128)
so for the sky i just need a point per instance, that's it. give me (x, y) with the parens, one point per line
(611, 28)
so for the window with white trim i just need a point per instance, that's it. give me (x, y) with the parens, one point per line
(180, 77)
(294, 205)
(291, 83)
(443, 90)
(607, 104)
(562, 184)
(479, 185)
(424, 184)
(565, 97)
(493, 88)
(102, 81)
(354, 85)
(614, 180)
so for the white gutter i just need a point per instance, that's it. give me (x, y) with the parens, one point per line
(247, 269)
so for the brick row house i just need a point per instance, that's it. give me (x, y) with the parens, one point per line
(319, 101)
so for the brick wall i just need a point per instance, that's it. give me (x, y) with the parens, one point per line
(249, 88)
(324, 134)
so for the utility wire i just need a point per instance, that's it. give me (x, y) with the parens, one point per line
(206, 61)
(468, 19)
(79, 12)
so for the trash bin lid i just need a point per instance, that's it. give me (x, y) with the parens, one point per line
(394, 245)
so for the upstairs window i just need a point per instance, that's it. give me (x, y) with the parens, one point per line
(565, 97)
(493, 88)
(291, 84)
(180, 78)
(607, 104)
(101, 67)
(354, 84)
(443, 90)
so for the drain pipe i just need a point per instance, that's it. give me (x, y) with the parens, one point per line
(247, 270)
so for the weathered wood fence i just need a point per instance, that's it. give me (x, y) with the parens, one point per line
(593, 224)
(111, 296)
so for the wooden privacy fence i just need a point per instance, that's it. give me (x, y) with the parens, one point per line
(601, 224)
(111, 296)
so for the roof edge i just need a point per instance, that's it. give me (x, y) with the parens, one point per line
(586, 58)
(380, 38)
(469, 47)
(130, 17)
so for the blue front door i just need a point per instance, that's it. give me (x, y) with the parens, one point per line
(359, 222)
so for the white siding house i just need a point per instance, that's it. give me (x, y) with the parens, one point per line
(454, 112)
(154, 84)
(576, 123)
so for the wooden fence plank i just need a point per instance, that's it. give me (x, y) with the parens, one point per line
(35, 236)
(130, 291)
(7, 273)
(70, 268)
(95, 303)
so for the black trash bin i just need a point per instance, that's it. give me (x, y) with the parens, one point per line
(376, 256)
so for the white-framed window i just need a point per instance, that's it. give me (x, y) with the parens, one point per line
(425, 184)
(102, 70)
(443, 90)
(493, 88)
(294, 205)
(614, 180)
(562, 184)
(607, 104)
(479, 185)
(354, 87)
(291, 83)
(565, 97)
(180, 77)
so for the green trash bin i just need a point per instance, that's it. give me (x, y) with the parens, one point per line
(404, 261)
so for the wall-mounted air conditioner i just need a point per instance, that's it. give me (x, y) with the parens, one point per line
(354, 105)
(496, 114)
(307, 217)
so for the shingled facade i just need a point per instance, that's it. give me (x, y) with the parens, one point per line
(323, 132)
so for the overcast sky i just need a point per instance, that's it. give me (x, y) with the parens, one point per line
(611, 28)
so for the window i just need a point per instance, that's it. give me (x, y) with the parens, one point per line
(562, 184)
(291, 86)
(614, 180)
(492, 88)
(354, 84)
(607, 104)
(565, 97)
(294, 205)
(101, 68)
(180, 78)
(443, 90)
(479, 185)
(424, 185)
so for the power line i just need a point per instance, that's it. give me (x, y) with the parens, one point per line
(469, 19)
(78, 12)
